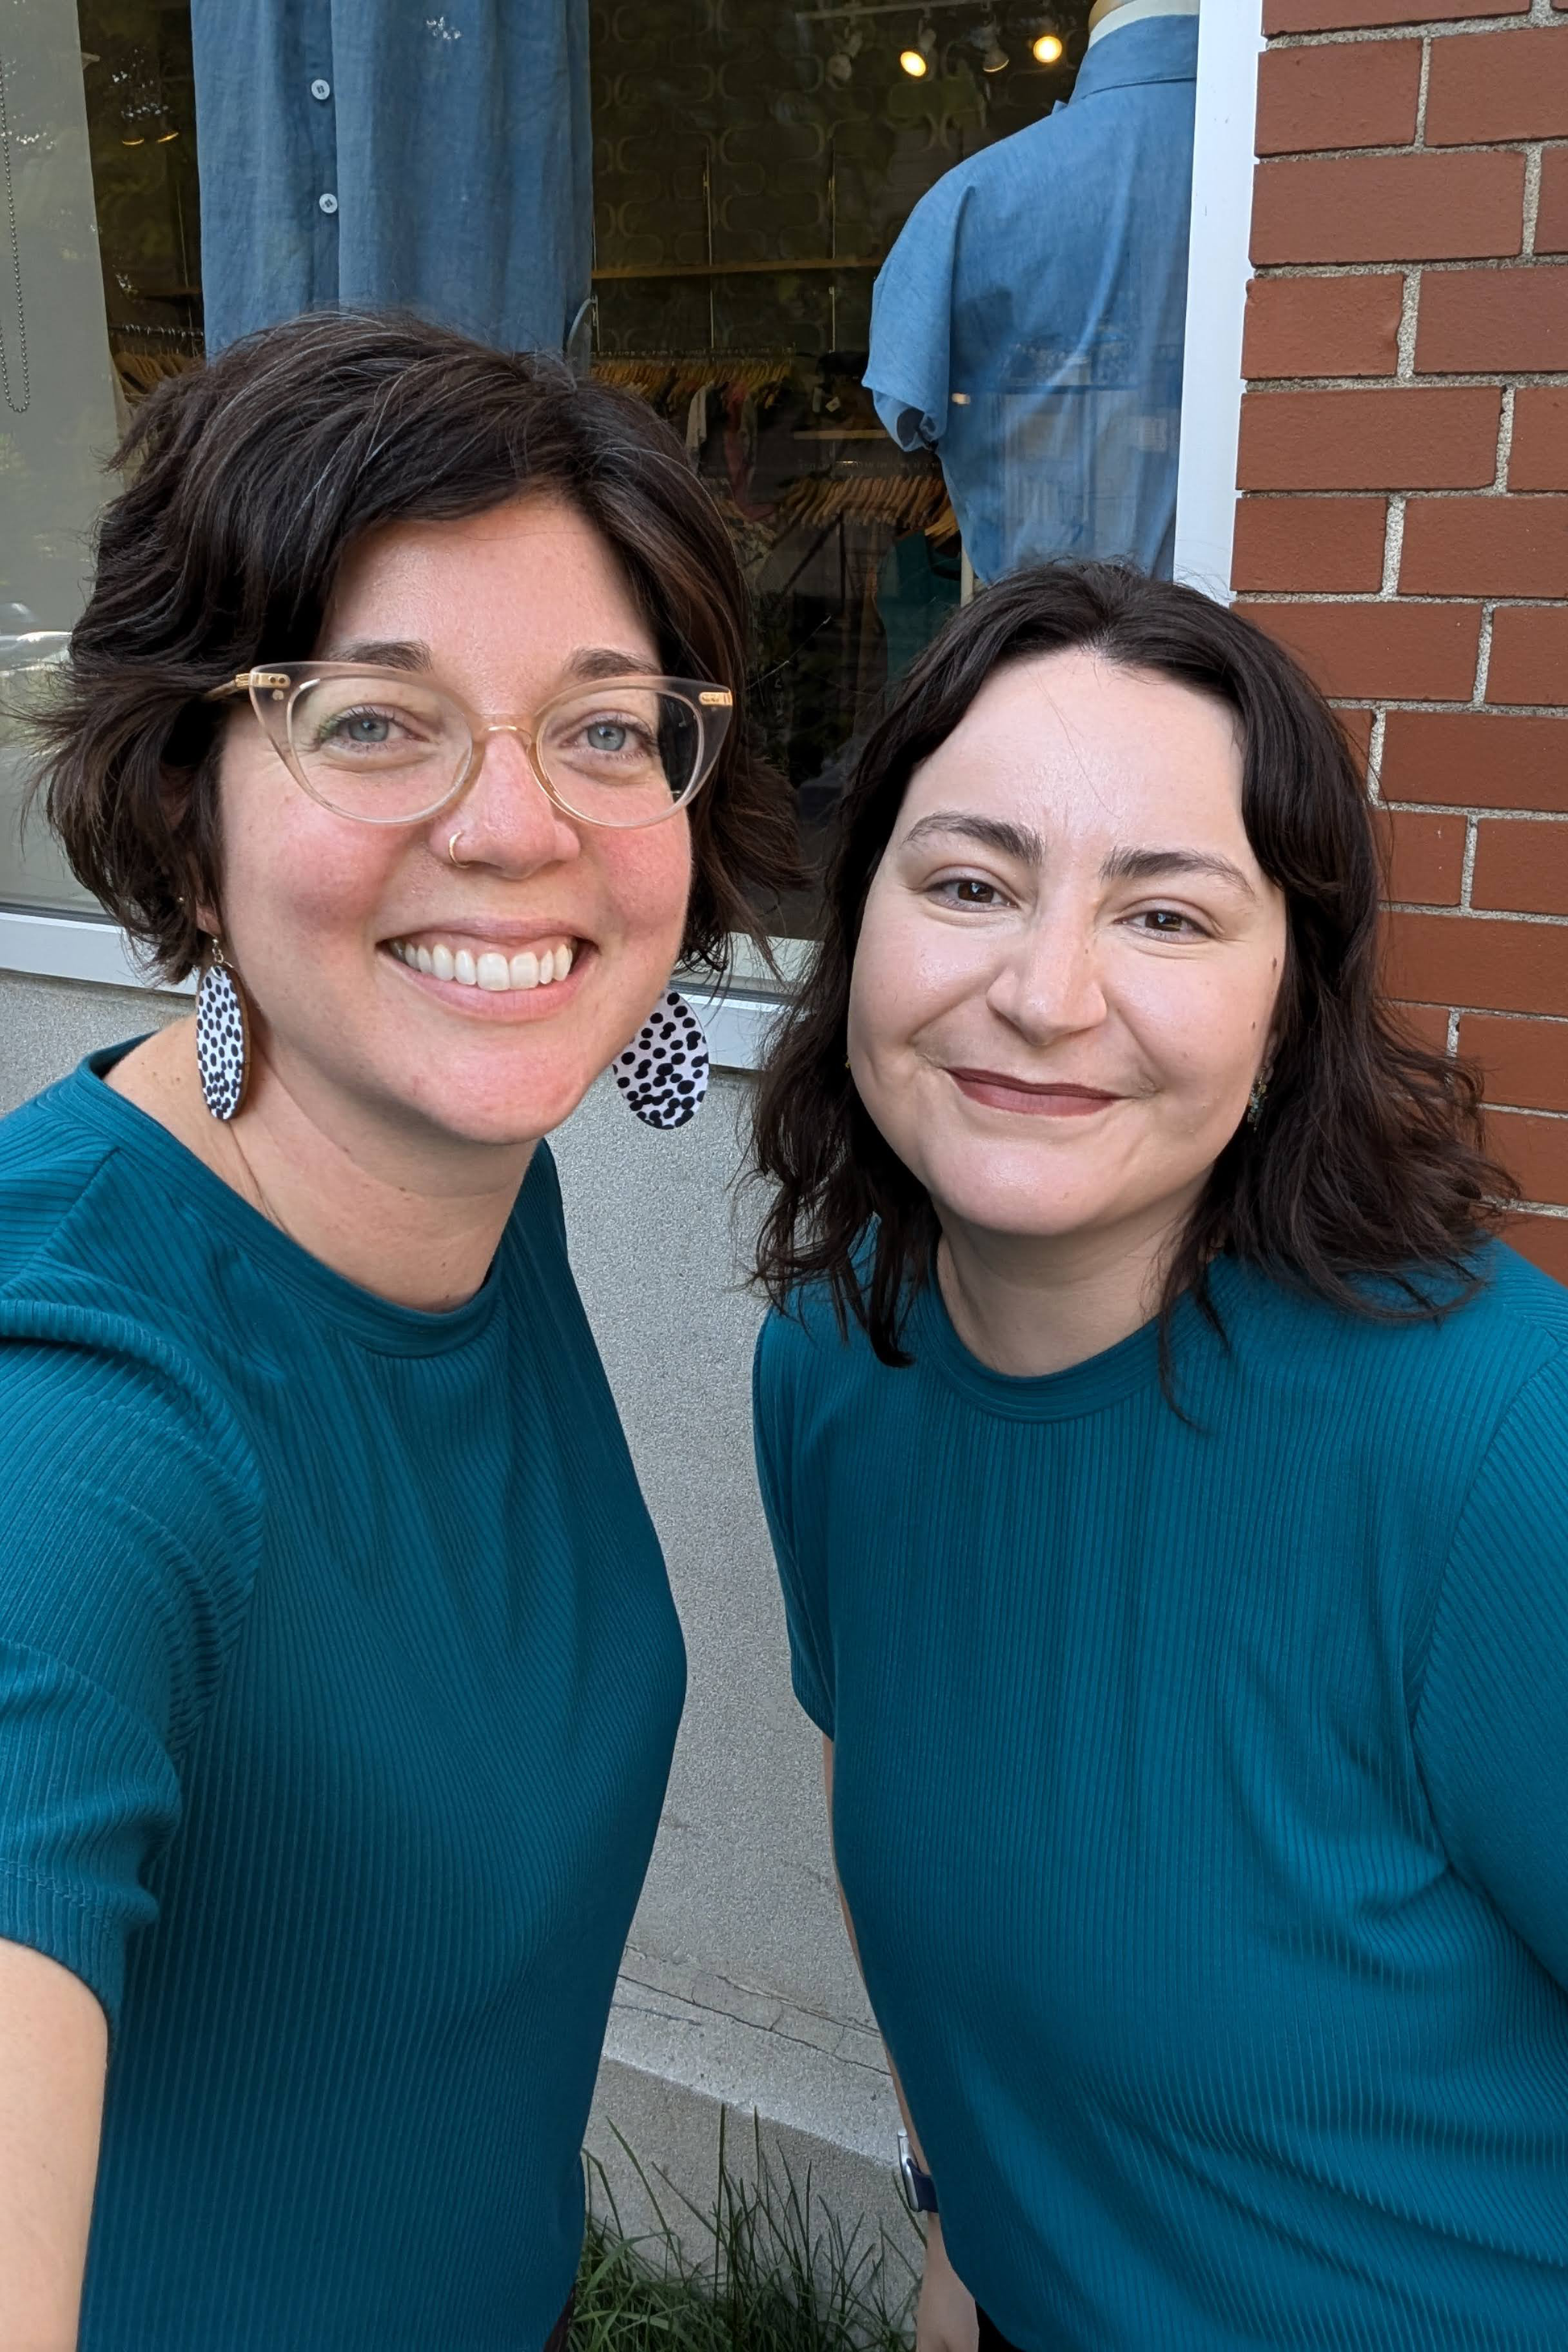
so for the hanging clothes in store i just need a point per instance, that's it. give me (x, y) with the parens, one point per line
(1028, 324)
(364, 152)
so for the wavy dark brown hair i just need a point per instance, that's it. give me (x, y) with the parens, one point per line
(1368, 1158)
(250, 480)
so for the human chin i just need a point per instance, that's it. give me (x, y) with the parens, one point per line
(1019, 1189)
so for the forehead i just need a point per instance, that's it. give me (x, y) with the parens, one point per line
(533, 570)
(1072, 745)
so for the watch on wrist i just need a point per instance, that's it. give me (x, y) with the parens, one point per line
(919, 2188)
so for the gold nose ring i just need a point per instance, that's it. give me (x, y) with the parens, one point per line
(452, 856)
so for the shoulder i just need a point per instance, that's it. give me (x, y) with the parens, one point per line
(1424, 1392)
(128, 1480)
(49, 1162)
(804, 1345)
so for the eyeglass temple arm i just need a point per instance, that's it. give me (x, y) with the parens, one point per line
(242, 682)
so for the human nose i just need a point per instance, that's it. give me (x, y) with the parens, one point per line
(505, 819)
(1049, 982)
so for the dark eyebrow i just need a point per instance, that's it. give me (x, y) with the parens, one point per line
(1155, 865)
(384, 653)
(1016, 841)
(608, 661)
(412, 654)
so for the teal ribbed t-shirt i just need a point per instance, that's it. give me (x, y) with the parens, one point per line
(1201, 1801)
(339, 1680)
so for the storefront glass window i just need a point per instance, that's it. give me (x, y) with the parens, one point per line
(1010, 390)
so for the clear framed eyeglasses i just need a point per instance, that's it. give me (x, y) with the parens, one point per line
(392, 747)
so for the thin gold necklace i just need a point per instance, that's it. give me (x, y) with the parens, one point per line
(262, 1202)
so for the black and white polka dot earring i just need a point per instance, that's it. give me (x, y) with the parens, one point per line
(222, 1036)
(663, 1073)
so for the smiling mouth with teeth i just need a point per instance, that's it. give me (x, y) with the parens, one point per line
(489, 970)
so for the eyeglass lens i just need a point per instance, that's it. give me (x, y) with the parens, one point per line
(392, 750)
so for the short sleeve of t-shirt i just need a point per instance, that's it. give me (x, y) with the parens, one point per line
(908, 367)
(803, 1570)
(129, 1522)
(1492, 1721)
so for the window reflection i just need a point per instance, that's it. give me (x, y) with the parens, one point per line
(142, 123)
(752, 168)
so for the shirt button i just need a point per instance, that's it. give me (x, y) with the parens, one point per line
(320, 88)
(329, 203)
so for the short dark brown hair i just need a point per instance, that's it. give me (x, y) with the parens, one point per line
(1368, 1158)
(248, 481)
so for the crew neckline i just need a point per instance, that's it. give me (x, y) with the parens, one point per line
(1118, 1372)
(194, 1190)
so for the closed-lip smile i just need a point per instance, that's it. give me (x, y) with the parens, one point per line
(1034, 1098)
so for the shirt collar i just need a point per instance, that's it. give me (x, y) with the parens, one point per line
(1163, 48)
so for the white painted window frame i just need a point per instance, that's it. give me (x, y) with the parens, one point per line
(91, 948)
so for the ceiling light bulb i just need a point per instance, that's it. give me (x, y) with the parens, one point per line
(913, 63)
(1046, 48)
(993, 56)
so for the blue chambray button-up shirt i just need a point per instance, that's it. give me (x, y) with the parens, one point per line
(1028, 322)
(436, 157)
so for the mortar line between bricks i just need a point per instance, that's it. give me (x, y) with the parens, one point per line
(1322, 598)
(1505, 441)
(1483, 654)
(1374, 743)
(1438, 28)
(1531, 198)
(1263, 387)
(1391, 150)
(1451, 1042)
(1557, 1019)
(1423, 86)
(1392, 543)
(1443, 265)
(1428, 706)
(1527, 1110)
(1458, 601)
(1475, 914)
(1482, 815)
(1409, 317)
(1467, 870)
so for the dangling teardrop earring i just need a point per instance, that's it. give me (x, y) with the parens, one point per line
(663, 1073)
(1255, 1101)
(222, 1036)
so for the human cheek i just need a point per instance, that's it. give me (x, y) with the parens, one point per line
(645, 886)
(1193, 1025)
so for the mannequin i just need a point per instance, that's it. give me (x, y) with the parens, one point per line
(1028, 324)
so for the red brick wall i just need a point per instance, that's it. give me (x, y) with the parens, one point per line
(1403, 521)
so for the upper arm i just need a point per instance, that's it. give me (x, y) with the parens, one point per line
(1493, 1719)
(802, 1570)
(127, 1535)
(53, 2045)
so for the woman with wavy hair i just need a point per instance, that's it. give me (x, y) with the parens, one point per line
(1167, 1476)
(339, 1672)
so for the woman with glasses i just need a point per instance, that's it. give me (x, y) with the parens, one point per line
(339, 1672)
(1167, 1473)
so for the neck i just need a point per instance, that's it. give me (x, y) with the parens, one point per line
(1108, 15)
(414, 1217)
(1027, 1306)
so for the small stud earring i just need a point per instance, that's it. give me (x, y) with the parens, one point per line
(223, 1037)
(663, 1073)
